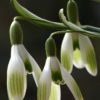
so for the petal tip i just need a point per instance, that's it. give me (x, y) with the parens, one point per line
(92, 72)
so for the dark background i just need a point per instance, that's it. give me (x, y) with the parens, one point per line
(34, 40)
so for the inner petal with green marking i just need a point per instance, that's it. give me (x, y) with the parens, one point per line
(77, 58)
(28, 66)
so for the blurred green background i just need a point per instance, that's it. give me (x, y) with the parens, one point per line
(34, 40)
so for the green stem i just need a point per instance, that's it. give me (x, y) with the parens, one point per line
(77, 28)
(91, 28)
(31, 17)
(57, 33)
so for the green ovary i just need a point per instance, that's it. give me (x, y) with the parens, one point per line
(16, 85)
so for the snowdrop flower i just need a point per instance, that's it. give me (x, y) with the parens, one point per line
(53, 76)
(77, 49)
(21, 63)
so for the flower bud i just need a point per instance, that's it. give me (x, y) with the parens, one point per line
(72, 11)
(50, 47)
(16, 33)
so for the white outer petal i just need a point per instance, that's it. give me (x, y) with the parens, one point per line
(44, 86)
(71, 83)
(22, 52)
(67, 52)
(16, 66)
(54, 63)
(55, 92)
(88, 54)
(36, 69)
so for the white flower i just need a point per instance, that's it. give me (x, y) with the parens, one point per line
(52, 76)
(16, 39)
(21, 63)
(16, 77)
(78, 48)
(31, 65)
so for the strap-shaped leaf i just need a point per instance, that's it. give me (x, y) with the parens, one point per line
(31, 17)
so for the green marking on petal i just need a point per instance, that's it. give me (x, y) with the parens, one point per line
(41, 95)
(91, 61)
(55, 70)
(75, 37)
(28, 66)
(57, 77)
(65, 60)
(44, 83)
(77, 55)
(55, 92)
(15, 85)
(88, 54)
(77, 60)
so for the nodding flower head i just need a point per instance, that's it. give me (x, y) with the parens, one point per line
(21, 63)
(53, 76)
(78, 49)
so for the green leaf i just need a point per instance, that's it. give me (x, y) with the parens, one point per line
(31, 17)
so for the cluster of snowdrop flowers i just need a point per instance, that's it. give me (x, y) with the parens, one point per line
(21, 63)
(48, 82)
(76, 49)
(54, 75)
